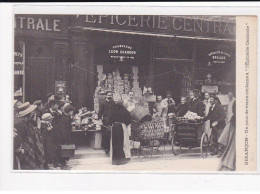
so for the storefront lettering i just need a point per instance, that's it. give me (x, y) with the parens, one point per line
(30, 23)
(173, 23)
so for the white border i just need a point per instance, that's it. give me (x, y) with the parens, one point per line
(68, 181)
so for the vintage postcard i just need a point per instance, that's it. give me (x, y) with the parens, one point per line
(134, 92)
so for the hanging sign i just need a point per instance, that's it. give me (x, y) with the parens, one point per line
(209, 89)
(60, 88)
(122, 53)
(218, 57)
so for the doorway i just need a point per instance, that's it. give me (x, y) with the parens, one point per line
(40, 79)
(168, 78)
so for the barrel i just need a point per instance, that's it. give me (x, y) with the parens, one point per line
(140, 114)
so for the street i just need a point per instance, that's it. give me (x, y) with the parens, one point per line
(189, 160)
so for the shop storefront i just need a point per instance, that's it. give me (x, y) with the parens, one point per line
(123, 53)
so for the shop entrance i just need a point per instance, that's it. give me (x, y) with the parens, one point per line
(40, 78)
(168, 78)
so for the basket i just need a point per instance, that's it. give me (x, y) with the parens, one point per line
(67, 151)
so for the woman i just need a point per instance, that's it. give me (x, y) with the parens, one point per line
(228, 159)
(49, 141)
(120, 144)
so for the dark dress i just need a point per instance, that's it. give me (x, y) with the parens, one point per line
(182, 109)
(65, 129)
(49, 144)
(104, 114)
(119, 116)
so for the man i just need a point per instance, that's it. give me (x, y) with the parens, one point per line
(56, 113)
(217, 117)
(196, 104)
(130, 102)
(160, 107)
(65, 128)
(207, 105)
(30, 138)
(47, 105)
(104, 114)
(183, 107)
(170, 103)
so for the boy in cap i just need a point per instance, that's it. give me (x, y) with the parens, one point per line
(64, 129)
(49, 140)
(47, 104)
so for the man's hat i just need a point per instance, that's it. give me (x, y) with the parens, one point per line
(26, 108)
(47, 117)
(68, 108)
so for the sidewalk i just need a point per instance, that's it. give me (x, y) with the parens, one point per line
(189, 160)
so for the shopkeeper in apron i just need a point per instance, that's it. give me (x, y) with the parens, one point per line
(104, 114)
(130, 102)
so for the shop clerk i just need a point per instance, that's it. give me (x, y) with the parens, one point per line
(130, 102)
(160, 107)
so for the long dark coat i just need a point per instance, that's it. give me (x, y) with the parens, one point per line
(49, 143)
(64, 129)
(216, 114)
(196, 106)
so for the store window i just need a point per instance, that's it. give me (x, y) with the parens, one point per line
(19, 63)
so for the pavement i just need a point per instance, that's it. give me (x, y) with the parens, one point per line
(162, 160)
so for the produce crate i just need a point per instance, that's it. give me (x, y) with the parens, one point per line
(67, 151)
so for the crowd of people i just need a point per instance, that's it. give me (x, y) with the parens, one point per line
(218, 125)
(40, 130)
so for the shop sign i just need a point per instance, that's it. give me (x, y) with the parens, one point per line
(122, 53)
(209, 89)
(218, 57)
(33, 24)
(167, 25)
(60, 88)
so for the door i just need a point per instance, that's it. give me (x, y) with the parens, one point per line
(41, 79)
(167, 78)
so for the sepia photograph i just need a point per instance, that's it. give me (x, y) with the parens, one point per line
(124, 92)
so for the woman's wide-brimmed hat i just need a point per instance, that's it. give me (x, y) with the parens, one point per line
(25, 109)
(47, 117)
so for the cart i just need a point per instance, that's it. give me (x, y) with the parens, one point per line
(151, 135)
(190, 135)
